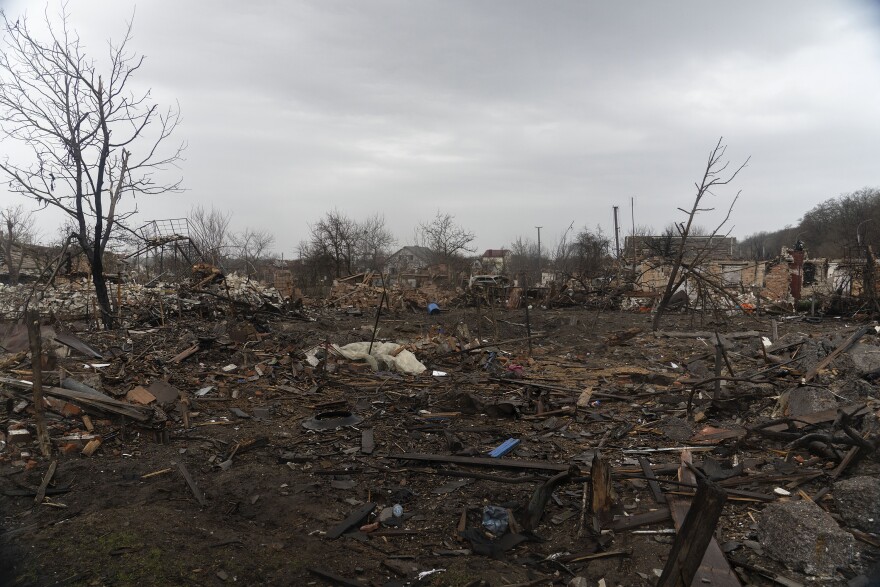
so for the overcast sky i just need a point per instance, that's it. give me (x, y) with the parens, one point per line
(506, 114)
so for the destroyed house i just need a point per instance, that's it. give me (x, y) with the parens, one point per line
(411, 263)
(667, 245)
(26, 259)
(494, 261)
(409, 259)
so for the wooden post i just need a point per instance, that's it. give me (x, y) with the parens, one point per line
(583, 521)
(41, 490)
(724, 354)
(529, 328)
(119, 296)
(775, 330)
(602, 492)
(694, 537)
(494, 317)
(33, 326)
(716, 396)
(376, 323)
(479, 322)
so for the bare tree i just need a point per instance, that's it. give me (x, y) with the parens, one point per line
(252, 246)
(713, 178)
(562, 250)
(589, 257)
(375, 242)
(209, 230)
(315, 265)
(335, 236)
(446, 239)
(16, 231)
(92, 140)
(523, 255)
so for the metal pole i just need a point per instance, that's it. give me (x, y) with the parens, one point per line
(632, 205)
(616, 234)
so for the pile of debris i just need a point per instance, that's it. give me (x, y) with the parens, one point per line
(71, 300)
(425, 455)
(365, 291)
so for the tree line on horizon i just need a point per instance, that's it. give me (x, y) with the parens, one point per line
(835, 228)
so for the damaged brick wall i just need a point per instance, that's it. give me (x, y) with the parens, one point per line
(776, 282)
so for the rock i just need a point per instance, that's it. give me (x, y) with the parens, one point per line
(806, 400)
(579, 582)
(852, 388)
(805, 538)
(865, 357)
(858, 502)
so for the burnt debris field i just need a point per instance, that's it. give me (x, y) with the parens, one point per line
(227, 436)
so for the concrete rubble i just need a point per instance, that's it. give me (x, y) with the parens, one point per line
(857, 500)
(805, 538)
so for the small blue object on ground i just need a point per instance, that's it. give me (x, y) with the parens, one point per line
(505, 447)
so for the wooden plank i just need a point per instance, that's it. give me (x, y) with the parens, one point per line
(481, 461)
(90, 448)
(714, 569)
(602, 492)
(192, 485)
(140, 395)
(41, 490)
(846, 462)
(707, 335)
(692, 541)
(353, 519)
(630, 522)
(95, 399)
(77, 344)
(184, 354)
(656, 492)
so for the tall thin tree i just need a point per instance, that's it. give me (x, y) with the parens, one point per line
(92, 140)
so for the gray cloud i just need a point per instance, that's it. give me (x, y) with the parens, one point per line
(506, 114)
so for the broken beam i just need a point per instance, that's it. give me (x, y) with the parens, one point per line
(714, 568)
(353, 519)
(200, 497)
(481, 461)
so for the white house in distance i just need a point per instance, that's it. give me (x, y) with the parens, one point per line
(408, 263)
(494, 261)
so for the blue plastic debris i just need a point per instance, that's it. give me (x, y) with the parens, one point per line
(505, 447)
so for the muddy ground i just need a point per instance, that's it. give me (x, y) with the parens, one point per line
(126, 516)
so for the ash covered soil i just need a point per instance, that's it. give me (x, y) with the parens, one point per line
(268, 492)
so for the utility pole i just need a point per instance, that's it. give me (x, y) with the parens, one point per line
(632, 206)
(539, 254)
(616, 234)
